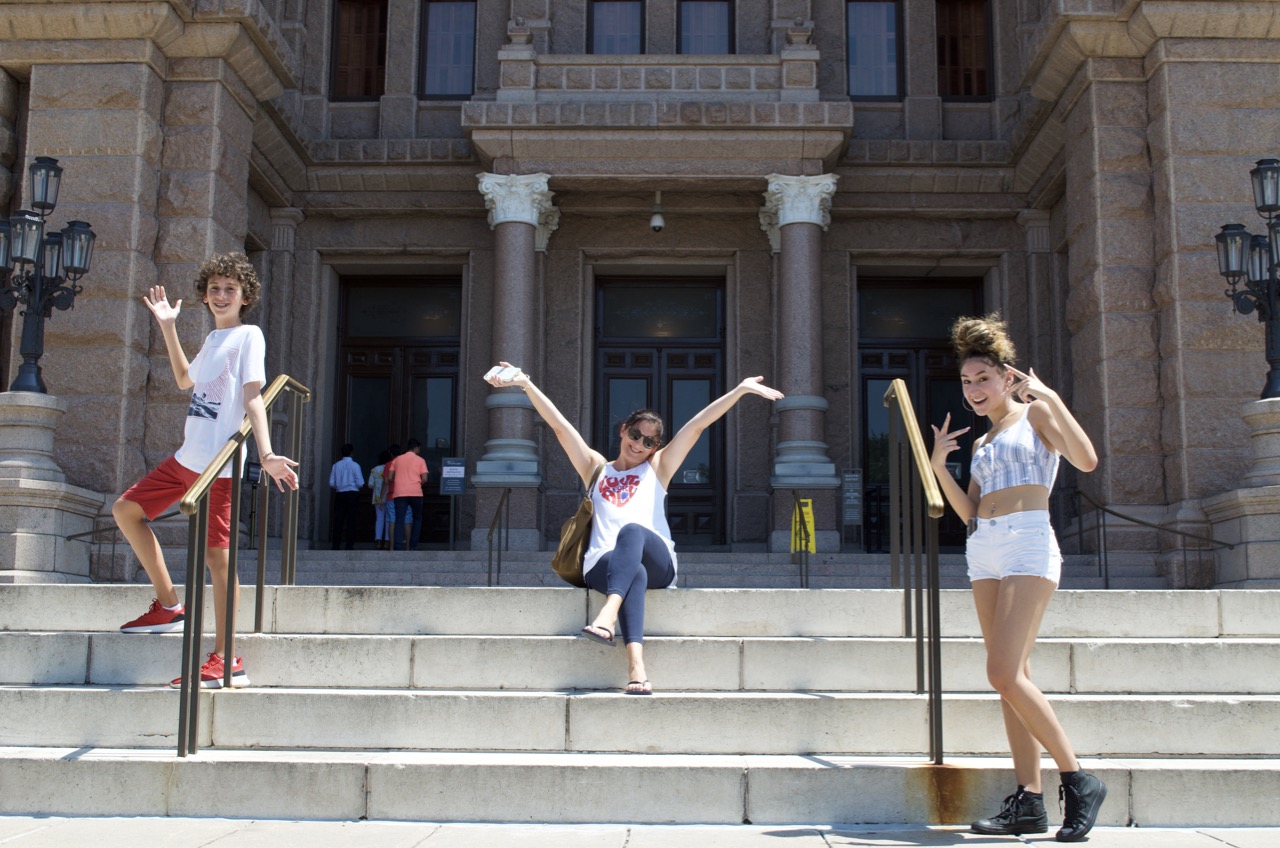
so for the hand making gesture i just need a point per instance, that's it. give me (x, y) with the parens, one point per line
(944, 442)
(1028, 387)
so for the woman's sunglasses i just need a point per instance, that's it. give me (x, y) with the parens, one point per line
(650, 442)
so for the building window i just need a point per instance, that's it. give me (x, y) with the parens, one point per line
(616, 26)
(448, 48)
(962, 49)
(359, 50)
(706, 27)
(873, 30)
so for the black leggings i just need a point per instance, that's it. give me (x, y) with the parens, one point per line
(640, 560)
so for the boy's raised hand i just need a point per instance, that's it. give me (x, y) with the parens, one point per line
(158, 302)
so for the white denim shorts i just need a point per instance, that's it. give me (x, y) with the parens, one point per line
(1018, 543)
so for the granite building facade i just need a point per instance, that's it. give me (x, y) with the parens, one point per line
(428, 186)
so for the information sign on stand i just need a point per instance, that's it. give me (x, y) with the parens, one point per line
(453, 475)
(453, 482)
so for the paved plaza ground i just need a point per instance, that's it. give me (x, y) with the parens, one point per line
(50, 831)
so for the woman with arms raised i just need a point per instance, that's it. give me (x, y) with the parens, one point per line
(630, 549)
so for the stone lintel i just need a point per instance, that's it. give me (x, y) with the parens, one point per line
(18, 56)
(659, 153)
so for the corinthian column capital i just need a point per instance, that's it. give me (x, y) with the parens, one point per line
(515, 197)
(801, 200)
(796, 200)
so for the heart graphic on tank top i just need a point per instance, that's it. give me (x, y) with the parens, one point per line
(619, 490)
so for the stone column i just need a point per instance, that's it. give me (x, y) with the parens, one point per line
(1248, 517)
(521, 215)
(796, 212)
(1039, 280)
(921, 105)
(1111, 312)
(103, 123)
(38, 509)
(398, 107)
(277, 293)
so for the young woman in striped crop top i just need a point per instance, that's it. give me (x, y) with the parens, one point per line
(630, 549)
(1014, 563)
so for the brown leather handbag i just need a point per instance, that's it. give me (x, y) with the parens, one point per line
(575, 534)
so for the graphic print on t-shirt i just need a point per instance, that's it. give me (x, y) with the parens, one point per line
(618, 490)
(206, 396)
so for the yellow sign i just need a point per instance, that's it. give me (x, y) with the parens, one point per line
(803, 513)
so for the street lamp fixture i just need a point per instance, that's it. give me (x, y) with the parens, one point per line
(40, 270)
(1254, 261)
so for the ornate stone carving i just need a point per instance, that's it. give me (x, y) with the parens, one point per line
(796, 200)
(521, 197)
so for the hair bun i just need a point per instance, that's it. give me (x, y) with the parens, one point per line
(985, 337)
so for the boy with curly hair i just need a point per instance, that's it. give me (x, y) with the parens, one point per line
(225, 380)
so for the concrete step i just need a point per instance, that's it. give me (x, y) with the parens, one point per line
(466, 611)
(639, 788)
(666, 723)
(697, 569)
(683, 663)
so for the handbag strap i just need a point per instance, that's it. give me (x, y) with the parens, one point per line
(594, 478)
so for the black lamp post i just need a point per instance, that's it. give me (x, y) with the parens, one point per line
(40, 270)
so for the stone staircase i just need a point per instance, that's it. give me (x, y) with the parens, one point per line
(772, 706)
(698, 570)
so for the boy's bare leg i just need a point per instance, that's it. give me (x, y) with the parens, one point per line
(217, 559)
(132, 522)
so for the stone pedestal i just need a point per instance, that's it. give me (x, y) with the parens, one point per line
(1249, 517)
(38, 509)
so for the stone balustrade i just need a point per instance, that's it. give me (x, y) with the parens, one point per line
(528, 76)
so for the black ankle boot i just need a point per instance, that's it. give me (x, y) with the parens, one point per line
(1022, 812)
(1082, 795)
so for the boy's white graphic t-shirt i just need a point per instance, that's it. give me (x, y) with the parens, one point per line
(228, 359)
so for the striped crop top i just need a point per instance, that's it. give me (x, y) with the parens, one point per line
(1015, 457)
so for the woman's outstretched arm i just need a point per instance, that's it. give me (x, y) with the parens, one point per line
(669, 458)
(584, 459)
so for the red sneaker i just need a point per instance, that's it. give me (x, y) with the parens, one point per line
(211, 674)
(157, 619)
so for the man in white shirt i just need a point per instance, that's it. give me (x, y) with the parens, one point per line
(346, 480)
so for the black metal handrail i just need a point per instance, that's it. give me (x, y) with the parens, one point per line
(501, 524)
(1100, 537)
(195, 503)
(913, 492)
(800, 556)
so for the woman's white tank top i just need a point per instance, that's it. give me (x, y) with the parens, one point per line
(627, 497)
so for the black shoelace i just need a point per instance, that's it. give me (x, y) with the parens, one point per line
(1075, 810)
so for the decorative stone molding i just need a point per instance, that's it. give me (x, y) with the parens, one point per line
(796, 200)
(1035, 222)
(522, 198)
(284, 227)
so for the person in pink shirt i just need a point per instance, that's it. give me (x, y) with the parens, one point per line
(405, 476)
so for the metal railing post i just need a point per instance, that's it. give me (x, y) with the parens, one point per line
(262, 492)
(498, 524)
(233, 578)
(915, 503)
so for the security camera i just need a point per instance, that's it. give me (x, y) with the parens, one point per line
(657, 222)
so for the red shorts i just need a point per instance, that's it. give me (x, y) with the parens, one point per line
(165, 485)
